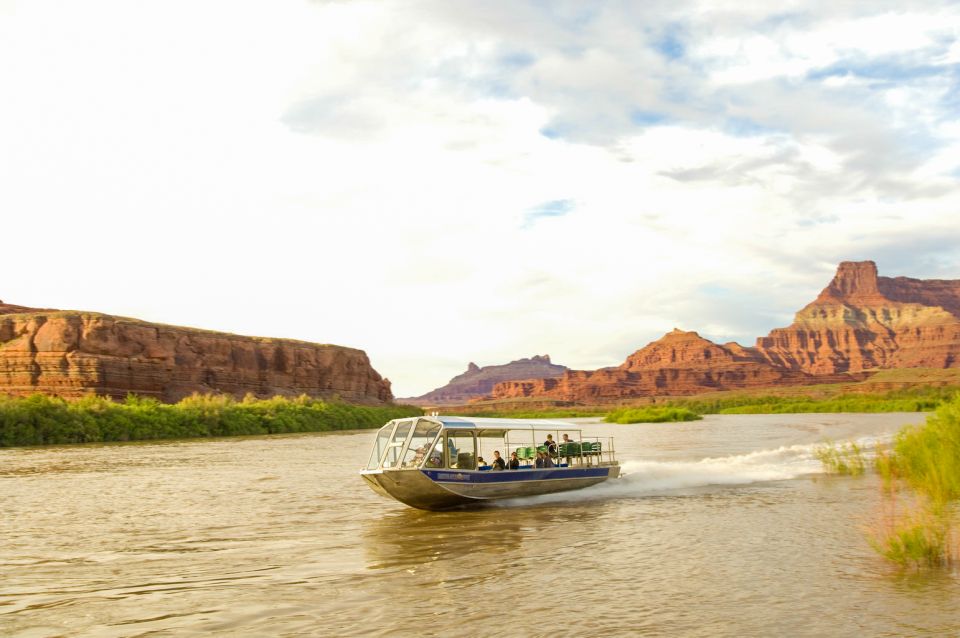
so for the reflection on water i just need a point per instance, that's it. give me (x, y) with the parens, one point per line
(410, 538)
(719, 527)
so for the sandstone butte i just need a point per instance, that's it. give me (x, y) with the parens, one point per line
(72, 353)
(477, 381)
(858, 324)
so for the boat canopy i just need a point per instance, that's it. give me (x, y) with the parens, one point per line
(496, 428)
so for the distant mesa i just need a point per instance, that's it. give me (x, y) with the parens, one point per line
(477, 382)
(858, 324)
(72, 353)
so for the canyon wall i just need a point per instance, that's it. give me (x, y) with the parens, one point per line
(679, 363)
(70, 354)
(863, 322)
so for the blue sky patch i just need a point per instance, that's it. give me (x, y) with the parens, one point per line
(554, 208)
(646, 118)
(743, 127)
(670, 46)
(890, 69)
(517, 59)
(550, 132)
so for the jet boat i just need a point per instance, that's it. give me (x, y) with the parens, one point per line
(431, 462)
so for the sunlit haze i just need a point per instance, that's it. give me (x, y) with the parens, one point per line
(438, 182)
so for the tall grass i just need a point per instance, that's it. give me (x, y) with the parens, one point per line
(926, 459)
(847, 458)
(651, 415)
(916, 537)
(46, 420)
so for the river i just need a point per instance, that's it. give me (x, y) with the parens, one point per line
(721, 527)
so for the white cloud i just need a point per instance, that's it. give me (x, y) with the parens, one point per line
(363, 173)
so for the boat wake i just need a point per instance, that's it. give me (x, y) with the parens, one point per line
(641, 478)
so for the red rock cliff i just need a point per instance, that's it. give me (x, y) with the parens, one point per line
(678, 363)
(861, 322)
(75, 353)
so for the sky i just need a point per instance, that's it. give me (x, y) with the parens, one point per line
(442, 182)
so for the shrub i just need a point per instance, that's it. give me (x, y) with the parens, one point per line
(918, 538)
(843, 459)
(651, 415)
(44, 420)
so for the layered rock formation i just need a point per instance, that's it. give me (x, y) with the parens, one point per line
(859, 322)
(75, 353)
(477, 381)
(863, 322)
(678, 363)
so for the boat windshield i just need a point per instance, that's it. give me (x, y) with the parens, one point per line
(383, 436)
(420, 443)
(395, 447)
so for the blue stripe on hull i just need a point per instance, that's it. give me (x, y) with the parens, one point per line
(511, 476)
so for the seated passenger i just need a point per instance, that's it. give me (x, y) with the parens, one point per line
(481, 464)
(435, 460)
(418, 457)
(514, 462)
(547, 461)
(498, 463)
(539, 461)
(551, 445)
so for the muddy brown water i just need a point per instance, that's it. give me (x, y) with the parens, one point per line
(722, 527)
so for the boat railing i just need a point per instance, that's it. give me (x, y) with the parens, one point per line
(587, 451)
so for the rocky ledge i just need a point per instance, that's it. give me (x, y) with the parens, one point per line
(71, 353)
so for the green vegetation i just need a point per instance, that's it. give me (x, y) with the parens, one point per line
(915, 400)
(843, 459)
(917, 539)
(45, 420)
(840, 404)
(926, 459)
(912, 400)
(651, 415)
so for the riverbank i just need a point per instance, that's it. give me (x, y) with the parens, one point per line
(917, 390)
(45, 420)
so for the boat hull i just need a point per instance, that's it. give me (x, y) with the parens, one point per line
(444, 489)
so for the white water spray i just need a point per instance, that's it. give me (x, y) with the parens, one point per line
(648, 477)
